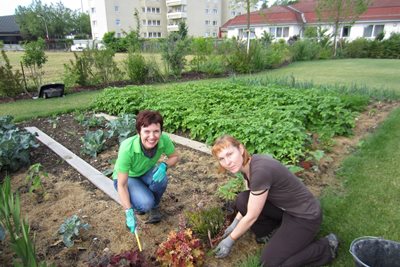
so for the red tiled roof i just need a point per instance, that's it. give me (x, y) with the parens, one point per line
(378, 10)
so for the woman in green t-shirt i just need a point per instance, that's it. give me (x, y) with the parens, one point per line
(140, 177)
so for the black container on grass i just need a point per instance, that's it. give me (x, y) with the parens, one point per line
(374, 251)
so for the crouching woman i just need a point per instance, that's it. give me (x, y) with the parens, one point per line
(278, 208)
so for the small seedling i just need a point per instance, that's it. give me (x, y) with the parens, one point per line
(35, 176)
(70, 229)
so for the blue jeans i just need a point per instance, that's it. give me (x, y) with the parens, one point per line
(144, 193)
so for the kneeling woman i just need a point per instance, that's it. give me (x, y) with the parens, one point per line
(278, 204)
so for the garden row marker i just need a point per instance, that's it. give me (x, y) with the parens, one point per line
(176, 138)
(97, 178)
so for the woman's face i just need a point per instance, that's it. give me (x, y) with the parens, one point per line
(231, 158)
(150, 135)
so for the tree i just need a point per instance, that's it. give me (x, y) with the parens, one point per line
(339, 13)
(37, 19)
(248, 4)
(285, 2)
(34, 58)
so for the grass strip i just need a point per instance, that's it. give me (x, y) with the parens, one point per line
(28, 109)
(367, 202)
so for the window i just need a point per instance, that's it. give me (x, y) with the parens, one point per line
(373, 30)
(94, 23)
(119, 35)
(144, 22)
(215, 11)
(233, 13)
(345, 31)
(214, 34)
(206, 10)
(207, 22)
(143, 9)
(207, 34)
(145, 34)
(158, 22)
(279, 32)
(93, 10)
(117, 22)
(116, 8)
(157, 10)
(215, 22)
(148, 9)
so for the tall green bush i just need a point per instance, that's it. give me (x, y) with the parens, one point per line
(10, 81)
(174, 50)
(34, 58)
(136, 68)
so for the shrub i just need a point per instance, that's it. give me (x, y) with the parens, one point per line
(304, 50)
(214, 65)
(34, 58)
(206, 223)
(174, 50)
(180, 249)
(136, 68)
(10, 82)
(359, 48)
(391, 46)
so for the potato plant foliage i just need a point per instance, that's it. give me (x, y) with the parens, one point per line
(267, 119)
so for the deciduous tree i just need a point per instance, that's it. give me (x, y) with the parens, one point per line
(339, 13)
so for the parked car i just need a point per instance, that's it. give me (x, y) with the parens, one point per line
(78, 47)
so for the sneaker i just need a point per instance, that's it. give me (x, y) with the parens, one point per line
(333, 241)
(154, 216)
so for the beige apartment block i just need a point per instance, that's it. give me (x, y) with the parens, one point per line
(158, 17)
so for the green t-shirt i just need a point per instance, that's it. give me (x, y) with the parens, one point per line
(132, 160)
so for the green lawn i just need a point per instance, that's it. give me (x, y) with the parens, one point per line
(54, 67)
(373, 73)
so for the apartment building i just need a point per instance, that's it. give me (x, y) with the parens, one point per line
(158, 17)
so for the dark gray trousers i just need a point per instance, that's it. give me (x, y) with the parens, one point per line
(293, 242)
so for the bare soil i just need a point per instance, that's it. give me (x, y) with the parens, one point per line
(192, 186)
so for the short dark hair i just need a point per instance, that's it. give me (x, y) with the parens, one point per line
(146, 117)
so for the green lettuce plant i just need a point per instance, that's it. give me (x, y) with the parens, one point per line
(70, 229)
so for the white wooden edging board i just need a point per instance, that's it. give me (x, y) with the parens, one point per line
(97, 178)
(176, 138)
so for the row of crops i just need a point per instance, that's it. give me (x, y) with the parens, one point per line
(267, 119)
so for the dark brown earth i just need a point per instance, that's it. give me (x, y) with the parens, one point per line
(192, 186)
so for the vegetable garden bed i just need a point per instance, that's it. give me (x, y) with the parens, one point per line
(193, 184)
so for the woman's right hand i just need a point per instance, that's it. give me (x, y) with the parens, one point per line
(130, 220)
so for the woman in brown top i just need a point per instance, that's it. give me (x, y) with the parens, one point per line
(277, 207)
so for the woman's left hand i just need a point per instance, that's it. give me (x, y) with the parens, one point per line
(160, 172)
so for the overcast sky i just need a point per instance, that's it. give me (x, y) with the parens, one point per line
(7, 7)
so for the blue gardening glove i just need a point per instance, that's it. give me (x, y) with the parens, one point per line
(230, 228)
(160, 172)
(130, 220)
(224, 247)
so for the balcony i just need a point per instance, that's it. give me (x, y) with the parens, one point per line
(176, 15)
(173, 28)
(176, 2)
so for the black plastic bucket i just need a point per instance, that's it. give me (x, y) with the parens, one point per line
(371, 251)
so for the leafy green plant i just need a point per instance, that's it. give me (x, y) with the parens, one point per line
(136, 68)
(92, 121)
(207, 223)
(35, 176)
(18, 228)
(14, 145)
(174, 50)
(70, 229)
(123, 126)
(93, 142)
(180, 249)
(230, 189)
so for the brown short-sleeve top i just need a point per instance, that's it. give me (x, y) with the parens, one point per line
(285, 190)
